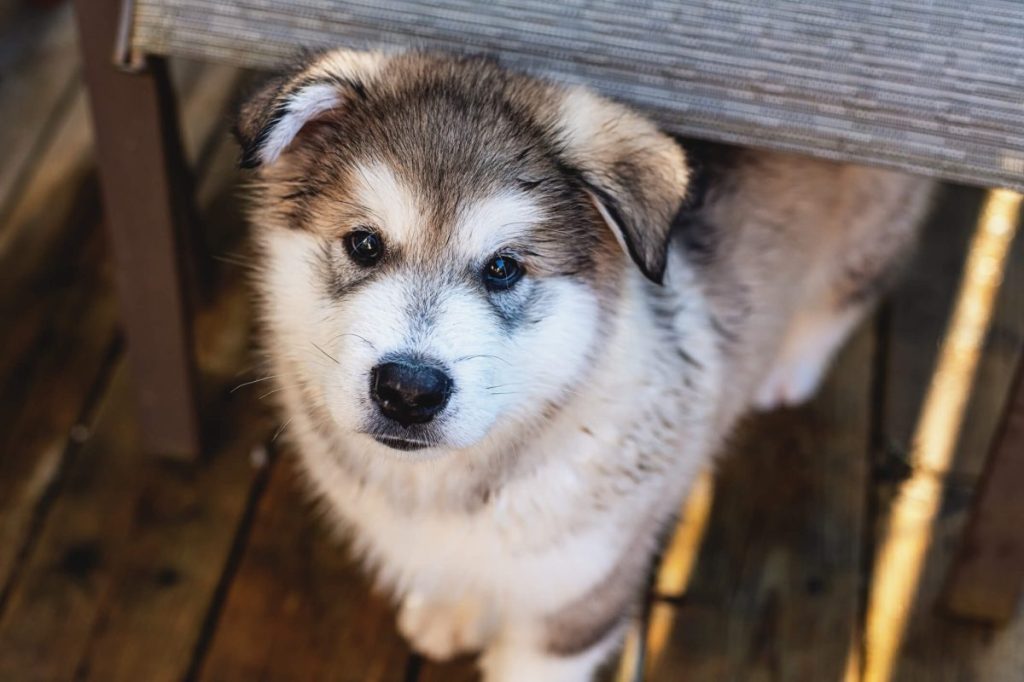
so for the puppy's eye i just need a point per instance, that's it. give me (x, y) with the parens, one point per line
(364, 247)
(501, 272)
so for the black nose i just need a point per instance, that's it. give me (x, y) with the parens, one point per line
(409, 393)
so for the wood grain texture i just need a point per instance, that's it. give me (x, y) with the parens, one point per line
(70, 344)
(988, 573)
(38, 79)
(463, 669)
(52, 610)
(119, 579)
(935, 647)
(55, 206)
(183, 527)
(57, 305)
(298, 608)
(988, 576)
(58, 318)
(95, 566)
(776, 591)
(916, 315)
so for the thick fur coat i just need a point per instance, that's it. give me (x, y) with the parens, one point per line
(584, 305)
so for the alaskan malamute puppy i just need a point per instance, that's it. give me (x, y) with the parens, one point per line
(512, 321)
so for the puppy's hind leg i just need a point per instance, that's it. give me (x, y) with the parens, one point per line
(807, 351)
(878, 220)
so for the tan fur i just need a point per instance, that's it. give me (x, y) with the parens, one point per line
(800, 239)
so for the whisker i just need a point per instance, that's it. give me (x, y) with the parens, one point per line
(281, 429)
(361, 338)
(329, 356)
(254, 381)
(482, 355)
(276, 390)
(233, 259)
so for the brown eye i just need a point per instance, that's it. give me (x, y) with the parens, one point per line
(364, 247)
(501, 272)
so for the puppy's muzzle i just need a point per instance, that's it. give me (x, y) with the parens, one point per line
(408, 391)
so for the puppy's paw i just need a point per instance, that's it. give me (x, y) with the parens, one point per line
(791, 383)
(442, 630)
(806, 354)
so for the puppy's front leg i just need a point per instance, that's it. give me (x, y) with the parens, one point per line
(569, 644)
(530, 655)
(442, 629)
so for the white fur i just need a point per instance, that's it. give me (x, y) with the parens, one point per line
(489, 224)
(306, 103)
(584, 115)
(518, 657)
(811, 341)
(302, 107)
(442, 629)
(391, 204)
(353, 65)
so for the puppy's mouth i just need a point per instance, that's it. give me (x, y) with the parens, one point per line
(405, 444)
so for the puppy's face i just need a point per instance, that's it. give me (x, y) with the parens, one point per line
(444, 242)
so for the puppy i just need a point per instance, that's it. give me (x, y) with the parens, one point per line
(511, 322)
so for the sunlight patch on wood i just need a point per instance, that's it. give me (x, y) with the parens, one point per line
(907, 536)
(673, 575)
(681, 556)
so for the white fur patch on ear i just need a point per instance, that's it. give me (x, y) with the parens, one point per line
(320, 87)
(301, 107)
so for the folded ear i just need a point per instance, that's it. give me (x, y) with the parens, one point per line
(269, 120)
(636, 175)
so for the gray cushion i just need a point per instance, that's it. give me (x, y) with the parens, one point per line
(935, 87)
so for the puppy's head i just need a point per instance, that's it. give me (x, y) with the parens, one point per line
(444, 241)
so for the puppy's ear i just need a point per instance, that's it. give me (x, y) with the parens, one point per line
(269, 120)
(636, 175)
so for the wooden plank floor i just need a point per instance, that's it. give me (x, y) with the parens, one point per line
(115, 566)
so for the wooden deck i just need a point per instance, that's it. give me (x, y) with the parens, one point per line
(116, 566)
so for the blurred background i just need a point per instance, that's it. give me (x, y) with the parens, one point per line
(818, 550)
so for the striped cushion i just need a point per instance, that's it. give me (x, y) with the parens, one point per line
(935, 87)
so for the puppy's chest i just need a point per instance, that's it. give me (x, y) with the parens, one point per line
(525, 498)
(578, 502)
(603, 457)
